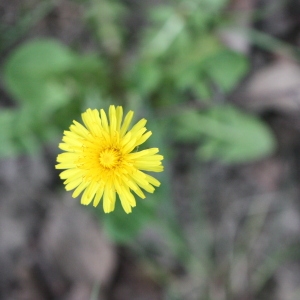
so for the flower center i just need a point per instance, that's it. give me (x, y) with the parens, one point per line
(109, 158)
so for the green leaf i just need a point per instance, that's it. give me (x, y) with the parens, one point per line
(226, 69)
(227, 134)
(122, 227)
(147, 77)
(47, 75)
(30, 72)
(7, 144)
(213, 5)
(15, 133)
(160, 13)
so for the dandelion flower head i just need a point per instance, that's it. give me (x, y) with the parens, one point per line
(101, 159)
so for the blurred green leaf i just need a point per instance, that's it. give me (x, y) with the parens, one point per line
(105, 17)
(16, 134)
(147, 76)
(7, 144)
(46, 74)
(160, 13)
(122, 227)
(226, 68)
(227, 134)
(30, 72)
(212, 5)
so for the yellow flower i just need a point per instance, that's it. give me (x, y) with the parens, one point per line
(100, 160)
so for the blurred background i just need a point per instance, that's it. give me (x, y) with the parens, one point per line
(219, 83)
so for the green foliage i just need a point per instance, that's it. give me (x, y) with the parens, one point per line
(31, 73)
(226, 68)
(48, 80)
(183, 55)
(227, 134)
(104, 17)
(7, 133)
(47, 74)
(176, 57)
(122, 227)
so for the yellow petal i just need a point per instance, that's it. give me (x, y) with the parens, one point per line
(104, 120)
(98, 196)
(112, 119)
(126, 123)
(80, 188)
(119, 116)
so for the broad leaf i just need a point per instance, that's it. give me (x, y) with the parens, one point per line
(228, 134)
